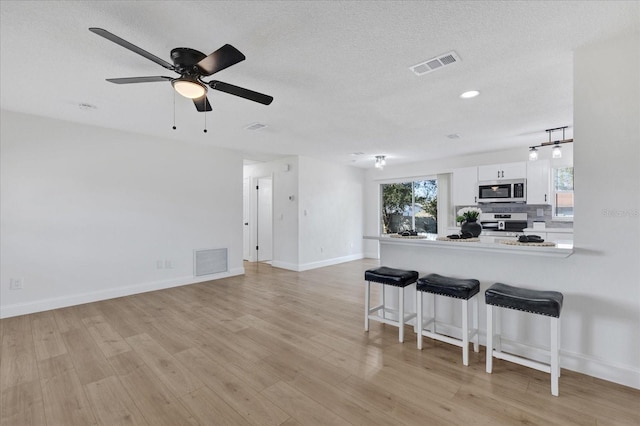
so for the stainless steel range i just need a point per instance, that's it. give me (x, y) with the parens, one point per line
(503, 224)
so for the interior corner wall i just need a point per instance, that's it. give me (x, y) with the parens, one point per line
(285, 173)
(331, 213)
(89, 213)
(607, 203)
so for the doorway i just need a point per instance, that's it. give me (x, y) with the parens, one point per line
(264, 223)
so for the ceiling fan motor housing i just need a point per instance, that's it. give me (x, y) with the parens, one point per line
(185, 60)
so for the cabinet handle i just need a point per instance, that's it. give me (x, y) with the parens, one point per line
(545, 198)
(498, 174)
(502, 173)
(475, 199)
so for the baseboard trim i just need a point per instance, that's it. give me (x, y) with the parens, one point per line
(591, 366)
(96, 296)
(314, 265)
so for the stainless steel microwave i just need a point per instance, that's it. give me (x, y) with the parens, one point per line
(502, 191)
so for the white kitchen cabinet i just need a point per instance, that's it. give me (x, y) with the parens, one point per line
(465, 186)
(503, 171)
(539, 182)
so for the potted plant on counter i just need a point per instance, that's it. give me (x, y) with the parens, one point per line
(468, 218)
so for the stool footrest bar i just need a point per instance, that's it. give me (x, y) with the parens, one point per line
(545, 368)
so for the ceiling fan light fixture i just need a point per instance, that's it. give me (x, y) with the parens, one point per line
(188, 88)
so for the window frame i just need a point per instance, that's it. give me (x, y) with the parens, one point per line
(412, 181)
(555, 191)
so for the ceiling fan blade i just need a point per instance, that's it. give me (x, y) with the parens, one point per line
(124, 43)
(222, 58)
(240, 91)
(202, 104)
(128, 80)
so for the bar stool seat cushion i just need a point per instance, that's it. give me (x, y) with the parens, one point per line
(534, 301)
(391, 276)
(447, 286)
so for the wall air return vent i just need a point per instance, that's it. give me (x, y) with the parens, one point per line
(436, 63)
(209, 261)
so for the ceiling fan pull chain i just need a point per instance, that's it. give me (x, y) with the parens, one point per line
(174, 109)
(205, 120)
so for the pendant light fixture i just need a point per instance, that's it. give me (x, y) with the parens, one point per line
(557, 152)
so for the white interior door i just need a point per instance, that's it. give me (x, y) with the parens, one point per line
(265, 219)
(246, 230)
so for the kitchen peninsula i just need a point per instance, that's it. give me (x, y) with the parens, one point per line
(519, 265)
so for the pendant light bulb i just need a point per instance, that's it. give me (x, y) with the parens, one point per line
(556, 153)
(533, 154)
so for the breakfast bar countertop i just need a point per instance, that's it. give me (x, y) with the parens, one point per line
(561, 249)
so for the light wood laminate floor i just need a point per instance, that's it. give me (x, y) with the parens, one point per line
(272, 347)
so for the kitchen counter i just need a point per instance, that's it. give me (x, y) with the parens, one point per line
(556, 230)
(562, 249)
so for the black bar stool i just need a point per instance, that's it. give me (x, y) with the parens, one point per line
(548, 303)
(463, 289)
(399, 278)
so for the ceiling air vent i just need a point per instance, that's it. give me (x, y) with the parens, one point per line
(255, 126)
(435, 63)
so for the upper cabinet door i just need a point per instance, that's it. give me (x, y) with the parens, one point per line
(539, 182)
(503, 171)
(465, 186)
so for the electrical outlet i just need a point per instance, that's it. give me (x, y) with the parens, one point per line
(15, 284)
(540, 212)
(159, 264)
(167, 264)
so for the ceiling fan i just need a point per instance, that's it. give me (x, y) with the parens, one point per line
(192, 66)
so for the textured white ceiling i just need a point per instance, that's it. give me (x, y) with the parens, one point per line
(338, 70)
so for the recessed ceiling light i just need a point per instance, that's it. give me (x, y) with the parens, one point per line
(470, 94)
(357, 153)
(453, 136)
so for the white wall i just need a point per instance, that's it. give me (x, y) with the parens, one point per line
(601, 280)
(330, 213)
(607, 202)
(86, 212)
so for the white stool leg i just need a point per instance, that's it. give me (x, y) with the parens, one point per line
(497, 326)
(559, 340)
(476, 340)
(415, 324)
(433, 312)
(465, 332)
(401, 314)
(489, 338)
(419, 317)
(554, 356)
(383, 311)
(367, 295)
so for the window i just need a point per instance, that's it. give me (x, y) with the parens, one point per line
(563, 193)
(410, 206)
